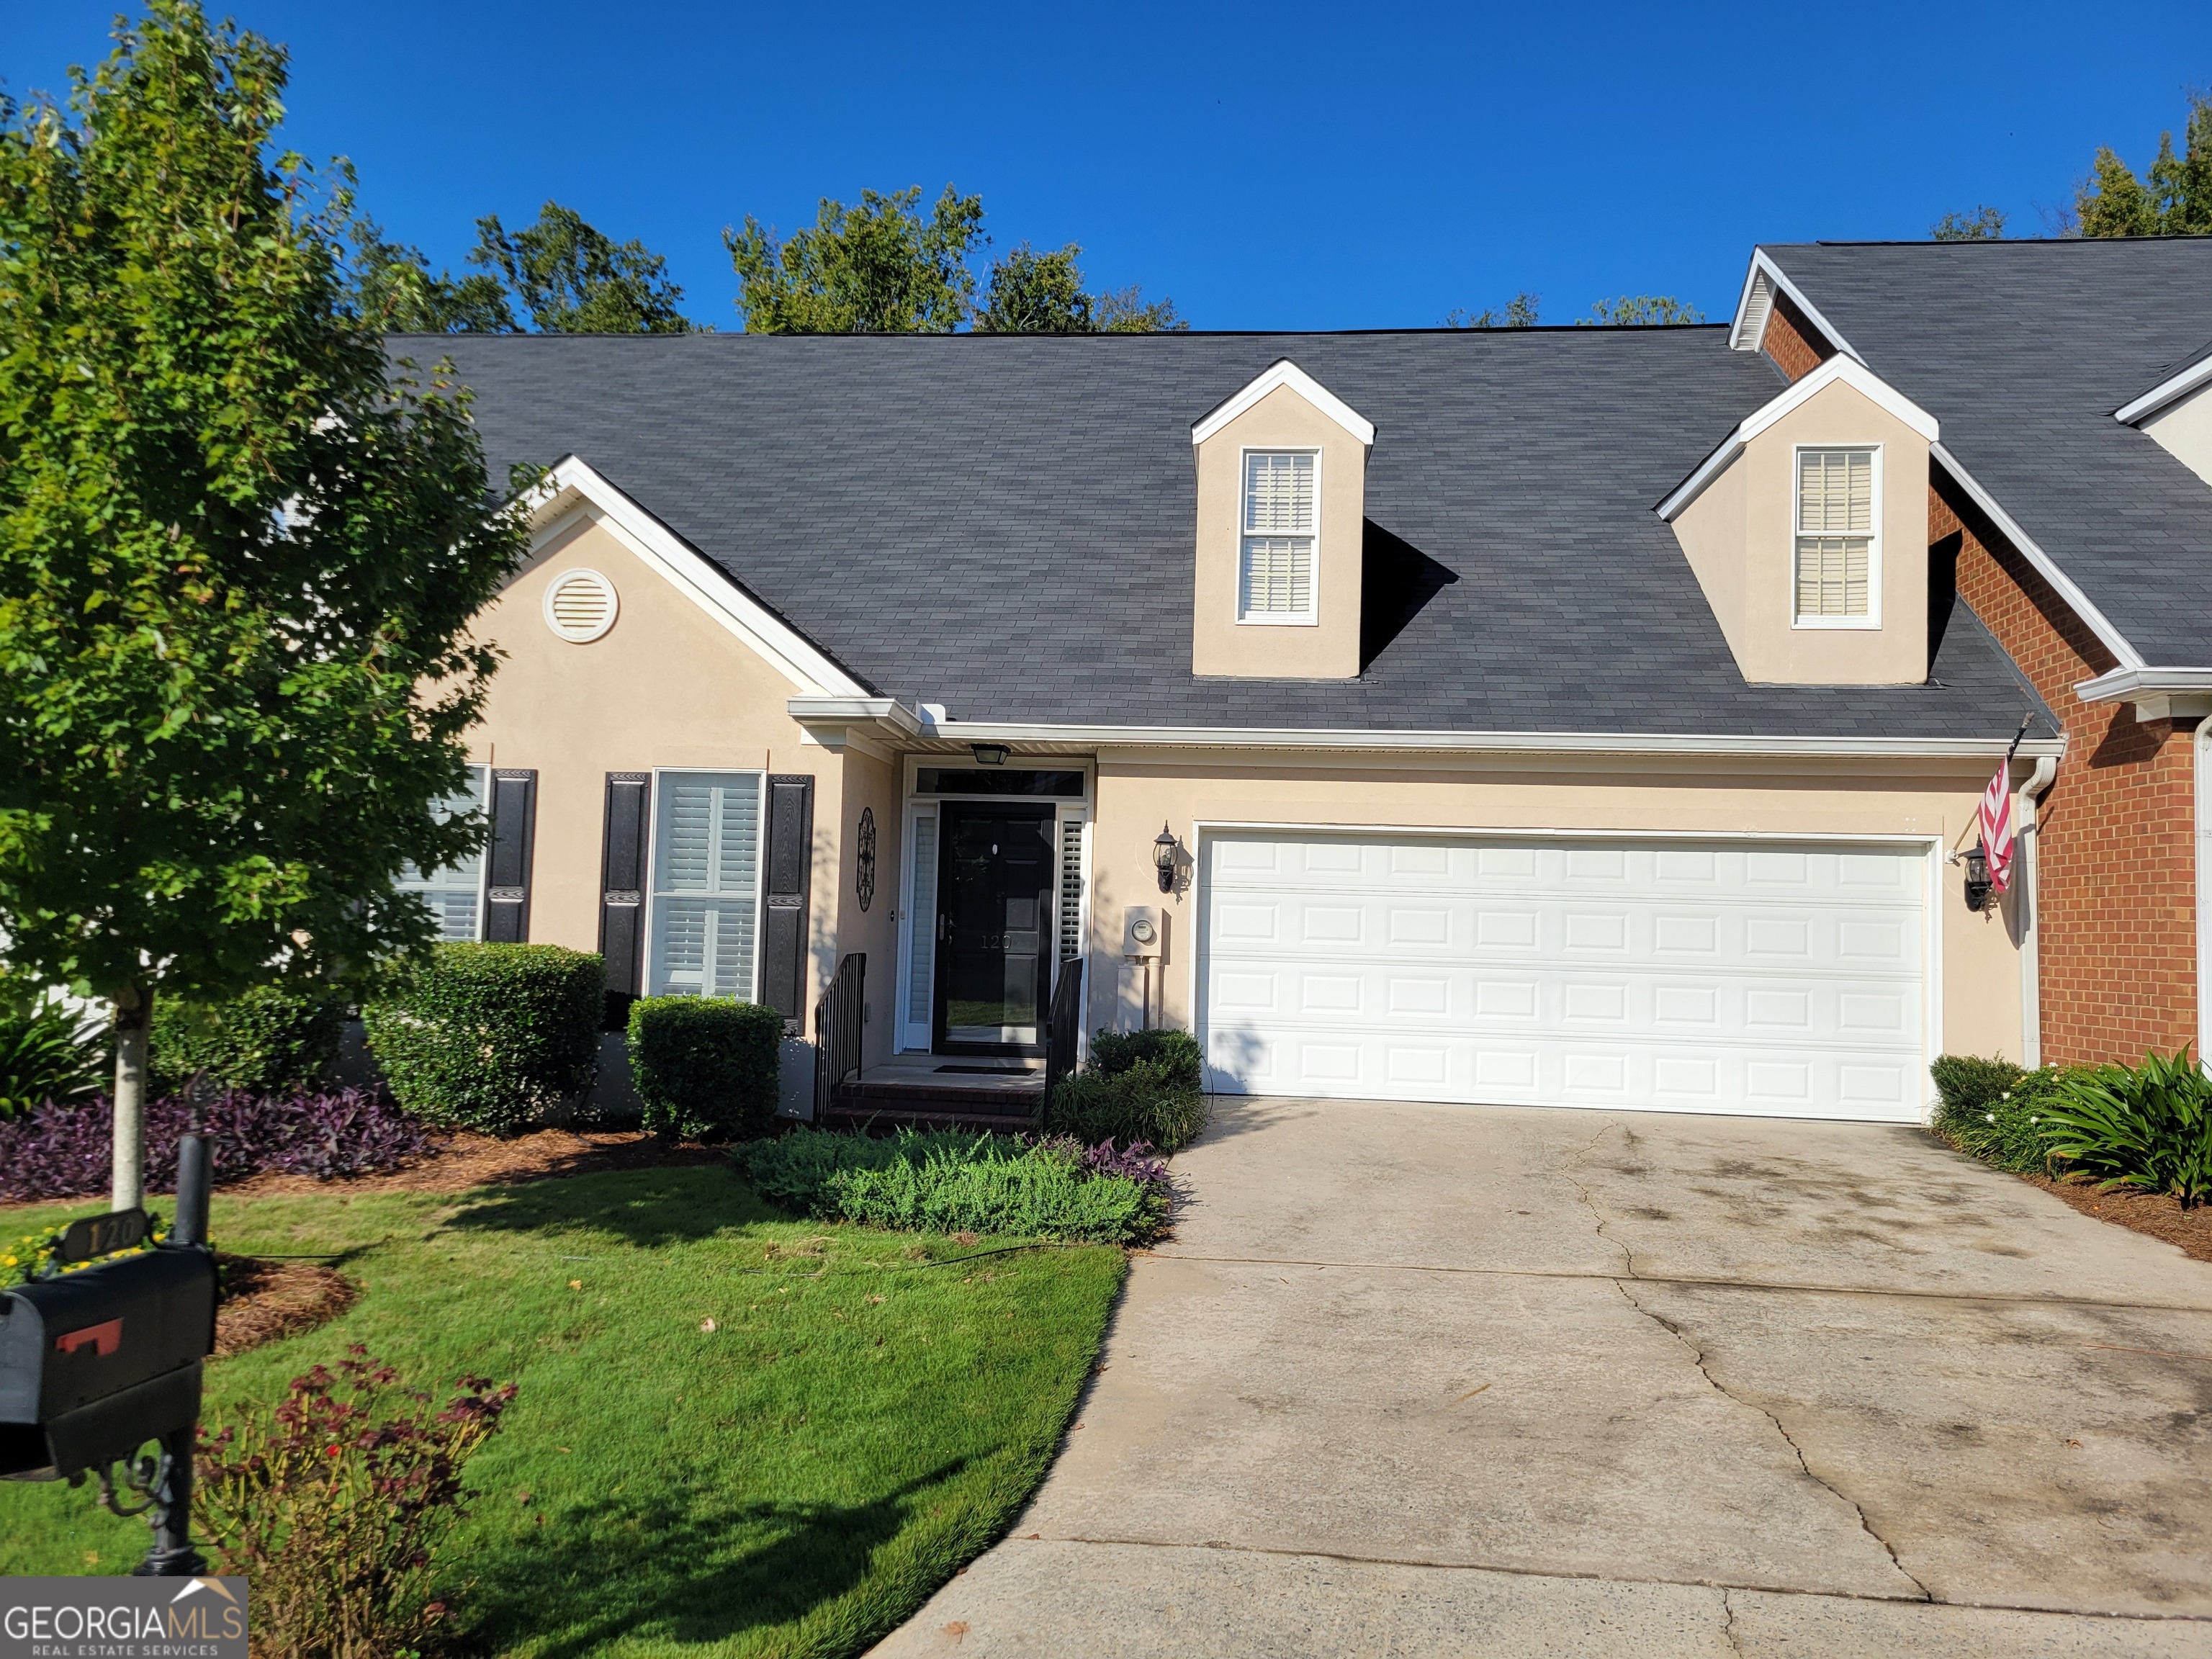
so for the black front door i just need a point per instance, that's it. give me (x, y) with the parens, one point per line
(994, 929)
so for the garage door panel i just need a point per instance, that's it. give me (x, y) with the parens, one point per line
(1783, 980)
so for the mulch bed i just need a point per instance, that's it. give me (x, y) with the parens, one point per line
(263, 1301)
(462, 1160)
(2158, 1214)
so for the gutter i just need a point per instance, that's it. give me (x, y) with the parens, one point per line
(2159, 694)
(1482, 742)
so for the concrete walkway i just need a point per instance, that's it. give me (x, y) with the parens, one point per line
(1429, 1381)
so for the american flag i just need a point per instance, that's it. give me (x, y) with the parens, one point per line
(1994, 819)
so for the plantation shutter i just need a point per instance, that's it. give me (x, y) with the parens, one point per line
(514, 828)
(789, 865)
(621, 879)
(921, 931)
(1835, 532)
(706, 883)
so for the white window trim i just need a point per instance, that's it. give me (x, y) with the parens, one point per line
(1872, 620)
(751, 993)
(1310, 617)
(481, 772)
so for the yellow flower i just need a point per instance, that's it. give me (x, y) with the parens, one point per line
(9, 1262)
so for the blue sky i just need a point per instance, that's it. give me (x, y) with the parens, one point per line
(1267, 166)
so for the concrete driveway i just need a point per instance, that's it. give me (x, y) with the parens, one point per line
(1420, 1381)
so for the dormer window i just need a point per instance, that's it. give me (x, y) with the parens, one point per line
(1838, 577)
(1282, 517)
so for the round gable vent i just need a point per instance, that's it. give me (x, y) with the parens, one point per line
(579, 605)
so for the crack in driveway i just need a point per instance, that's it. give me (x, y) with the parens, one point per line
(1567, 1171)
(1697, 1357)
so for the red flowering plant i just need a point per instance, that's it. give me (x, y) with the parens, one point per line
(334, 1502)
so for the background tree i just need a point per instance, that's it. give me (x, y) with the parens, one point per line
(2172, 198)
(879, 268)
(1640, 311)
(237, 562)
(573, 279)
(1520, 312)
(396, 291)
(1032, 293)
(1983, 224)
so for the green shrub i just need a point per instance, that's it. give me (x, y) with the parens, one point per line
(1966, 1084)
(490, 1037)
(46, 1051)
(2148, 1126)
(1138, 1085)
(1176, 1053)
(949, 1182)
(271, 1040)
(705, 1067)
(2000, 1114)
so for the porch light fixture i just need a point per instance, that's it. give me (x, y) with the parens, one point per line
(1978, 877)
(989, 754)
(1163, 858)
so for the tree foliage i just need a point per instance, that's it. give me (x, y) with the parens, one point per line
(395, 290)
(1640, 311)
(1032, 293)
(574, 279)
(1520, 312)
(880, 267)
(238, 558)
(1983, 224)
(2173, 198)
(884, 267)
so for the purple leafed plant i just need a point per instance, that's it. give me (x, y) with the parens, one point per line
(66, 1151)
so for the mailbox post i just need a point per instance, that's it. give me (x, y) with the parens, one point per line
(96, 1363)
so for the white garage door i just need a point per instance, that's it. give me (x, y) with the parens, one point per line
(1729, 976)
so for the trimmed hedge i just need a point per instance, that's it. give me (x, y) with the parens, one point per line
(1138, 1086)
(950, 1181)
(271, 1040)
(490, 1037)
(706, 1067)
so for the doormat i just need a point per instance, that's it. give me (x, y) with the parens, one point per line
(992, 1071)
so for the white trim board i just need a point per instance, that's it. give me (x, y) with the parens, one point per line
(1490, 743)
(571, 483)
(1284, 373)
(2171, 390)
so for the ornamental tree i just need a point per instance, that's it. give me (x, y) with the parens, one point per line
(238, 556)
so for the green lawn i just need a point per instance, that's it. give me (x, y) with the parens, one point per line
(797, 1481)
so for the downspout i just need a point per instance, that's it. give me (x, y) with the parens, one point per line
(2030, 952)
(2203, 757)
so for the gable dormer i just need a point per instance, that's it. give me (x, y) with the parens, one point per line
(1807, 530)
(1282, 480)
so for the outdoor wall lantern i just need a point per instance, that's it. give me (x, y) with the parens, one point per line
(989, 754)
(1978, 877)
(1163, 858)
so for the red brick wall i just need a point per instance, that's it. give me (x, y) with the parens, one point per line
(2116, 874)
(1795, 345)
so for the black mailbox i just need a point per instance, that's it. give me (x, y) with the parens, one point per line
(94, 1364)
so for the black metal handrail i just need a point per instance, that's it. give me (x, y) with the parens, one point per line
(1064, 1025)
(838, 1017)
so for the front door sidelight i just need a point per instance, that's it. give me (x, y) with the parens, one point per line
(995, 929)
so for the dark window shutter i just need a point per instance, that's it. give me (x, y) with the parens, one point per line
(789, 866)
(514, 828)
(621, 879)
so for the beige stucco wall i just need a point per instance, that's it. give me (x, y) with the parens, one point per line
(1328, 648)
(875, 786)
(668, 686)
(2184, 430)
(1980, 961)
(1740, 538)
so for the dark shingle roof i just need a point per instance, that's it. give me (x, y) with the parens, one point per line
(2022, 350)
(1004, 525)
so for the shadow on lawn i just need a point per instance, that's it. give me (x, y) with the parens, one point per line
(650, 1208)
(685, 1565)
